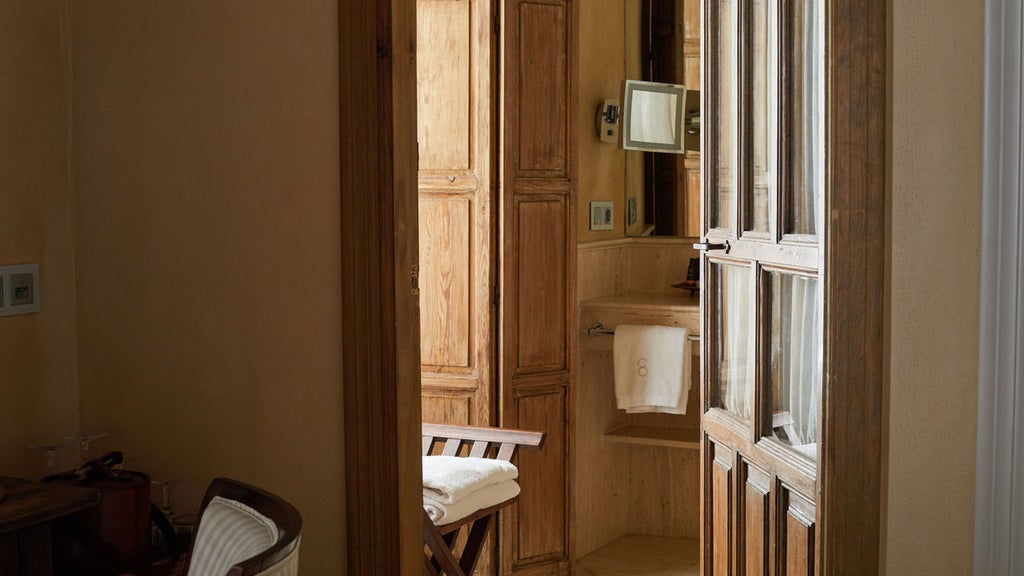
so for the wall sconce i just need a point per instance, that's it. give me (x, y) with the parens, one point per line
(608, 115)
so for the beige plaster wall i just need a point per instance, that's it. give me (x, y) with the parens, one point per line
(602, 71)
(208, 247)
(936, 122)
(38, 391)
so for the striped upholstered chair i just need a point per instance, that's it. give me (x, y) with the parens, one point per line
(243, 531)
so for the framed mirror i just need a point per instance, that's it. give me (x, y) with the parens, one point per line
(662, 192)
(653, 117)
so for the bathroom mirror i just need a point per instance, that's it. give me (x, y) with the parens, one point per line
(662, 190)
(653, 117)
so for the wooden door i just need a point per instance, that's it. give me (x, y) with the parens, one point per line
(380, 312)
(538, 271)
(461, 251)
(456, 79)
(763, 285)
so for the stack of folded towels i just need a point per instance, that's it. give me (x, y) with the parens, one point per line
(454, 488)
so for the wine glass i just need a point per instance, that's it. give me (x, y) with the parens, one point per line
(83, 442)
(165, 485)
(51, 454)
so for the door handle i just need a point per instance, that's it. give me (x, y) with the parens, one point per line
(705, 246)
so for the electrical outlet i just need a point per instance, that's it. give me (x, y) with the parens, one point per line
(19, 289)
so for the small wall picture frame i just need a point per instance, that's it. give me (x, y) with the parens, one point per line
(602, 215)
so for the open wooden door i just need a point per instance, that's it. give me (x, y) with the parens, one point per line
(538, 272)
(763, 311)
(380, 312)
(470, 274)
(455, 83)
(456, 79)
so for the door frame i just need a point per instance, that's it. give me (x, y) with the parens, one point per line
(1000, 445)
(379, 247)
(849, 502)
(380, 305)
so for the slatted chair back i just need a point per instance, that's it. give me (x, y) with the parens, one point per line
(499, 443)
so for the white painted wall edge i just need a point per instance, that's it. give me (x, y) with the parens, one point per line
(999, 503)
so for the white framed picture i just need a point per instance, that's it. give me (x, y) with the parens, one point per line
(602, 215)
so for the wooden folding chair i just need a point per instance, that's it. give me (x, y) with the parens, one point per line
(498, 443)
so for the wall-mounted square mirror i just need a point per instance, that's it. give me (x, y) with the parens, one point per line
(653, 116)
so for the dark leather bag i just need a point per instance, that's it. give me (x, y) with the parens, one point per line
(115, 536)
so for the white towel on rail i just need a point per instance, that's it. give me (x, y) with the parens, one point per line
(652, 368)
(449, 478)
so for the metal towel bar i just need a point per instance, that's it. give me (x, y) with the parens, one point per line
(600, 330)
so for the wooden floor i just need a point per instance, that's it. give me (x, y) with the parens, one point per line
(636, 555)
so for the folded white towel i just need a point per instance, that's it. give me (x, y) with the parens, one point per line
(652, 368)
(445, 513)
(448, 478)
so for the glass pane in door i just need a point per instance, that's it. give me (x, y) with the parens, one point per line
(795, 360)
(806, 111)
(723, 214)
(735, 342)
(765, 113)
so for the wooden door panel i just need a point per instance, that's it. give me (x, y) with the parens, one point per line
(455, 85)
(541, 514)
(446, 281)
(721, 499)
(443, 51)
(692, 226)
(543, 86)
(798, 535)
(449, 407)
(691, 45)
(691, 69)
(541, 276)
(755, 521)
(756, 73)
(538, 235)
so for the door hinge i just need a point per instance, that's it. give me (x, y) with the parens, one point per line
(495, 294)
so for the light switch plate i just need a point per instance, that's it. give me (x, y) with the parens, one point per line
(19, 289)
(602, 215)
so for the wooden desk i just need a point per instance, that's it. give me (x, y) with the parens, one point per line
(25, 515)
